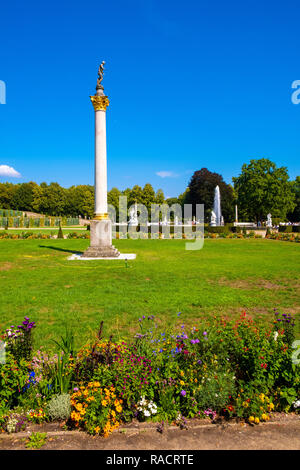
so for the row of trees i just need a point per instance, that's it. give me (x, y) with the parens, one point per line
(55, 200)
(259, 189)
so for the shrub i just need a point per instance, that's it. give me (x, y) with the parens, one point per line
(13, 378)
(60, 232)
(59, 407)
(96, 409)
(285, 228)
(219, 229)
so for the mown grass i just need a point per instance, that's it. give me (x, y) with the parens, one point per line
(225, 277)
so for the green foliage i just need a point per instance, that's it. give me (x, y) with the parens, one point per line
(263, 188)
(285, 229)
(294, 216)
(60, 232)
(202, 189)
(36, 440)
(19, 340)
(218, 229)
(60, 372)
(59, 407)
(13, 378)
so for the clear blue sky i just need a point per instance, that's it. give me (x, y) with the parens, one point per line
(192, 84)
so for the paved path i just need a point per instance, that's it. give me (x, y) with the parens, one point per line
(282, 433)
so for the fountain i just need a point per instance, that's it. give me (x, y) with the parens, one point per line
(217, 218)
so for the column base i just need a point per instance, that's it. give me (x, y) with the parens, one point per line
(101, 240)
(101, 252)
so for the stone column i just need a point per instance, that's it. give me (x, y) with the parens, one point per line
(101, 230)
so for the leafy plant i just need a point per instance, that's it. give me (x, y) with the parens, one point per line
(59, 407)
(36, 440)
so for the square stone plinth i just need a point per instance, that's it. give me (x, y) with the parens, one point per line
(101, 241)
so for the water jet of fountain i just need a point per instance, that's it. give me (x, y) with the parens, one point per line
(217, 206)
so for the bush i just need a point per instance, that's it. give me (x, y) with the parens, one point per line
(285, 228)
(219, 229)
(13, 379)
(60, 232)
(59, 407)
(96, 409)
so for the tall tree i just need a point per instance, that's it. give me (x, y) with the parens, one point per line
(202, 189)
(159, 197)
(148, 195)
(136, 195)
(263, 188)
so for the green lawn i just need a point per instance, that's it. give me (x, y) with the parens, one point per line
(226, 276)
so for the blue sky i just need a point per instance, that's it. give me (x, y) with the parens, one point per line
(191, 84)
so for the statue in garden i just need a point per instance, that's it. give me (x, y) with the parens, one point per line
(213, 219)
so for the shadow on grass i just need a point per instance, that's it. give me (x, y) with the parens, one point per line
(76, 252)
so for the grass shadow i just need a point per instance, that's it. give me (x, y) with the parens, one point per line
(76, 252)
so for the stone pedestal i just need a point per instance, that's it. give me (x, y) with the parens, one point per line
(101, 240)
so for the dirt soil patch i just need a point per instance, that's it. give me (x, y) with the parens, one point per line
(280, 433)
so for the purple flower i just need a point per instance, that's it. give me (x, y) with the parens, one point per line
(204, 333)
(183, 393)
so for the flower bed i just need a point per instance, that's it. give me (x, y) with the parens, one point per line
(218, 368)
(285, 237)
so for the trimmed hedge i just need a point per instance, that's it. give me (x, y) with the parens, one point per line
(16, 221)
(289, 229)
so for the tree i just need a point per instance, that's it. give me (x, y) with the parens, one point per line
(159, 197)
(50, 199)
(294, 216)
(148, 196)
(202, 189)
(80, 201)
(22, 197)
(113, 197)
(136, 195)
(6, 194)
(263, 188)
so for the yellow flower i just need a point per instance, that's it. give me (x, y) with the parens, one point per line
(251, 419)
(181, 373)
(256, 420)
(264, 417)
(104, 402)
(245, 404)
(181, 382)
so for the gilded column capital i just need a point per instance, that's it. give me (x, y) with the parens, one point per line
(100, 103)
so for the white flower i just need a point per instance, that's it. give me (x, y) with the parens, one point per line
(275, 335)
(147, 413)
(296, 404)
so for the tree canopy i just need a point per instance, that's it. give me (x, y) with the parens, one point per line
(202, 189)
(262, 188)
